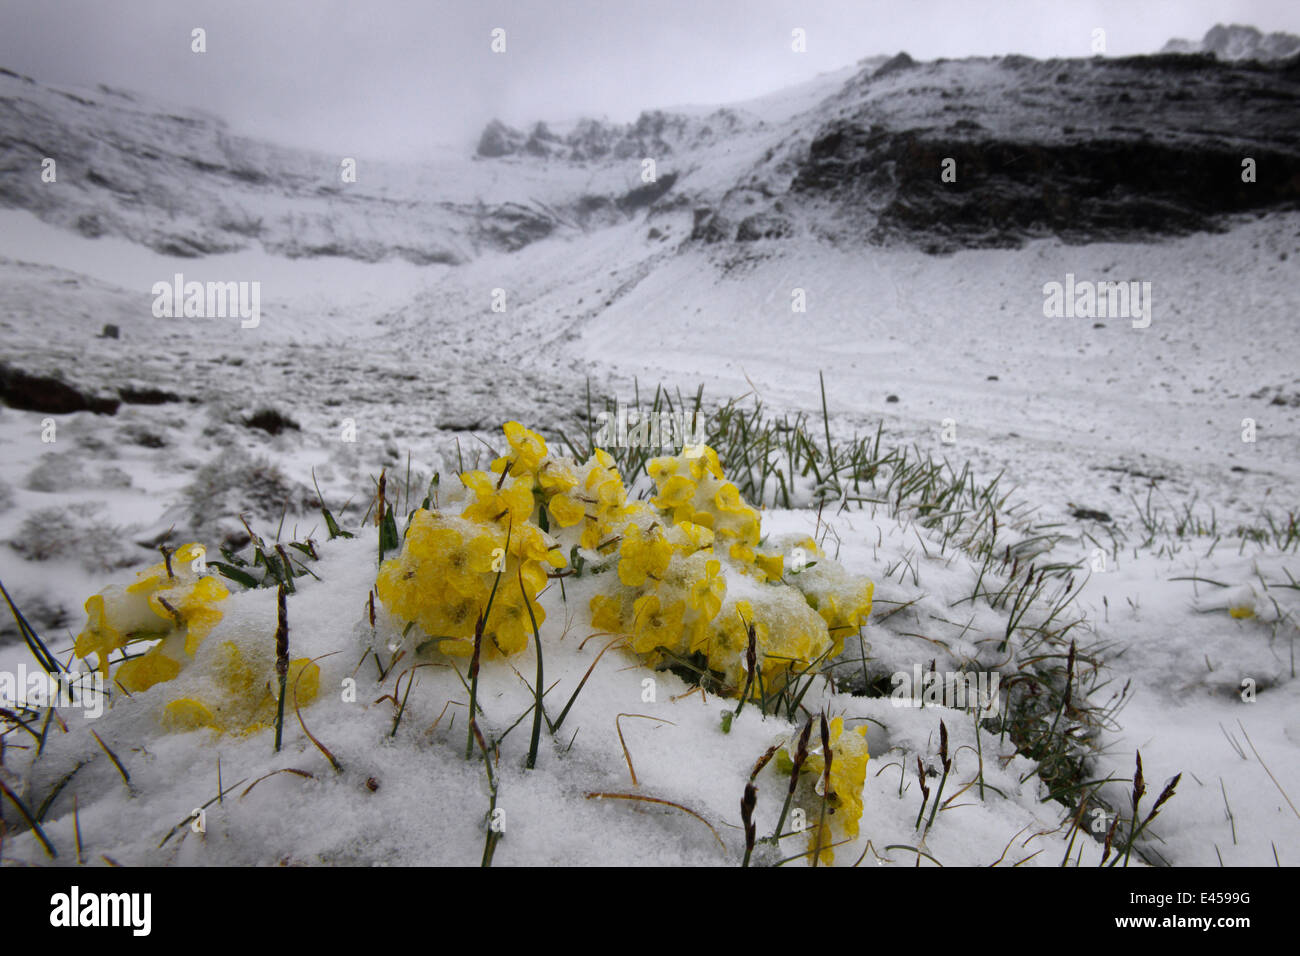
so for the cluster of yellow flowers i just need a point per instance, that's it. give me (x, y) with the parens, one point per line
(239, 691)
(587, 500)
(695, 582)
(691, 488)
(173, 606)
(685, 578)
(848, 775)
(170, 603)
(491, 558)
(691, 580)
(842, 599)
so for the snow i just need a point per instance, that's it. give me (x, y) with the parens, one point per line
(429, 803)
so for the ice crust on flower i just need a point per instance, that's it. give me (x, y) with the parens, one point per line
(173, 608)
(849, 758)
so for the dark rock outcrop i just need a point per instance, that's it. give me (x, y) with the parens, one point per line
(1086, 150)
(43, 393)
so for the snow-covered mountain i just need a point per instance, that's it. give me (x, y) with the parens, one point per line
(1086, 149)
(1237, 42)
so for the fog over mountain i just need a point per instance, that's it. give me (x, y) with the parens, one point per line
(1083, 149)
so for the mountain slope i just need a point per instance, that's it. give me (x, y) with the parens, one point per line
(1238, 42)
(1087, 150)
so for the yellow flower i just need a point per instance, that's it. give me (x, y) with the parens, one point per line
(190, 607)
(727, 499)
(690, 537)
(159, 576)
(741, 552)
(244, 698)
(701, 519)
(704, 462)
(596, 532)
(157, 605)
(727, 643)
(443, 580)
(676, 492)
(153, 667)
(844, 603)
(564, 511)
(772, 565)
(661, 469)
(556, 478)
(530, 543)
(849, 758)
(99, 636)
(735, 628)
(643, 556)
(656, 626)
(603, 482)
(529, 447)
(442, 577)
(606, 613)
(187, 714)
(508, 620)
(511, 502)
(706, 594)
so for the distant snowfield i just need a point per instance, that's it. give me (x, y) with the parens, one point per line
(338, 298)
(933, 330)
(1077, 416)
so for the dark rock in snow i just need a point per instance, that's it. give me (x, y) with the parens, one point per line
(1155, 147)
(146, 395)
(270, 421)
(41, 393)
(895, 64)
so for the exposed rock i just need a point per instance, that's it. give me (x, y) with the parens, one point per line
(655, 134)
(895, 65)
(1166, 159)
(270, 421)
(647, 194)
(41, 393)
(498, 139)
(763, 226)
(146, 395)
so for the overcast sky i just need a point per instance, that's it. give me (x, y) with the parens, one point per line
(397, 77)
